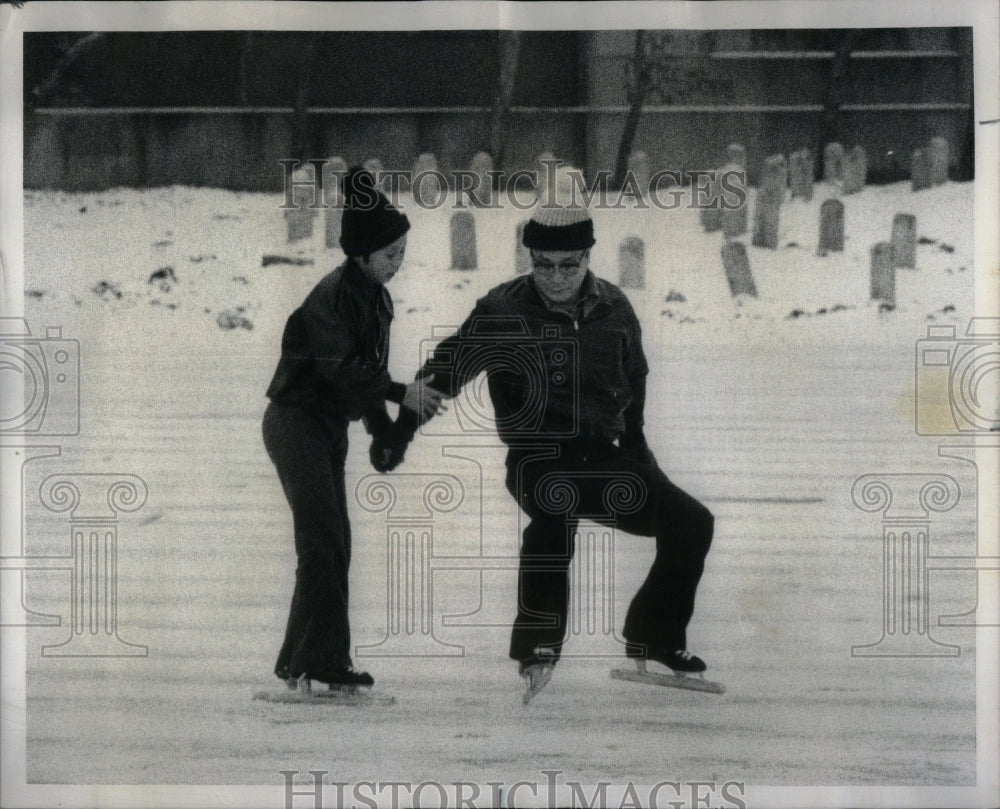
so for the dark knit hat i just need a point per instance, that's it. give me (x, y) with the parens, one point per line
(369, 221)
(560, 220)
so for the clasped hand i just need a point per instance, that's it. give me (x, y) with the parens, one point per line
(389, 447)
(424, 400)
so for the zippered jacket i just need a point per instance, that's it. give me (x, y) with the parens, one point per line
(334, 351)
(552, 376)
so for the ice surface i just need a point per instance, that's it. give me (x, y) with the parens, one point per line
(766, 409)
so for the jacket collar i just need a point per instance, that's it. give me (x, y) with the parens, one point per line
(364, 287)
(591, 295)
(356, 277)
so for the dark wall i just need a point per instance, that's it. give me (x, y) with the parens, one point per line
(562, 77)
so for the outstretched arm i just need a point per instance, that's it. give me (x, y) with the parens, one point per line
(441, 377)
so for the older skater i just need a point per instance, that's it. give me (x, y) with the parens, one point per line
(588, 431)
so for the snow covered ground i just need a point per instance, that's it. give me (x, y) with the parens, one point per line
(768, 410)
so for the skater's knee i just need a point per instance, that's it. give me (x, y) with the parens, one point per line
(688, 530)
(704, 528)
(706, 520)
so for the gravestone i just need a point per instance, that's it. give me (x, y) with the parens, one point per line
(374, 167)
(831, 227)
(833, 163)
(737, 267)
(802, 168)
(883, 274)
(711, 216)
(426, 180)
(463, 241)
(855, 170)
(770, 195)
(920, 170)
(736, 154)
(734, 219)
(631, 263)
(904, 240)
(299, 220)
(939, 153)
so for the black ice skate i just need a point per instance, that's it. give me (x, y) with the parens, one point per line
(345, 686)
(681, 662)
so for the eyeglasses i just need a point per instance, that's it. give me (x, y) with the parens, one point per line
(567, 269)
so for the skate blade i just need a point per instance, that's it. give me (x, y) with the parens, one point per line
(536, 684)
(349, 695)
(676, 680)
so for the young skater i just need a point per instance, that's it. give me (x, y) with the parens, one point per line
(332, 371)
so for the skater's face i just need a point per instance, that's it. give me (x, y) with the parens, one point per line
(383, 264)
(559, 274)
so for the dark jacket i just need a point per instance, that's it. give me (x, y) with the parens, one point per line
(552, 376)
(335, 349)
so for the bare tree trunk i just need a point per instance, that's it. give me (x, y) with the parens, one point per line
(637, 96)
(510, 50)
(835, 89)
(42, 92)
(245, 47)
(301, 133)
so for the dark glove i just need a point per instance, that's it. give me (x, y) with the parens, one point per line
(388, 448)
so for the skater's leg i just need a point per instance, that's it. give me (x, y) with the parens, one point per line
(543, 582)
(309, 457)
(683, 527)
(542, 590)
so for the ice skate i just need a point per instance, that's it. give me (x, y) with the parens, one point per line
(537, 676)
(345, 686)
(687, 669)
(537, 671)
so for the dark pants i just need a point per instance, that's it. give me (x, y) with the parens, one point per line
(615, 489)
(309, 454)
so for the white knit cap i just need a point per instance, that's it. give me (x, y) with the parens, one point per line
(561, 219)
